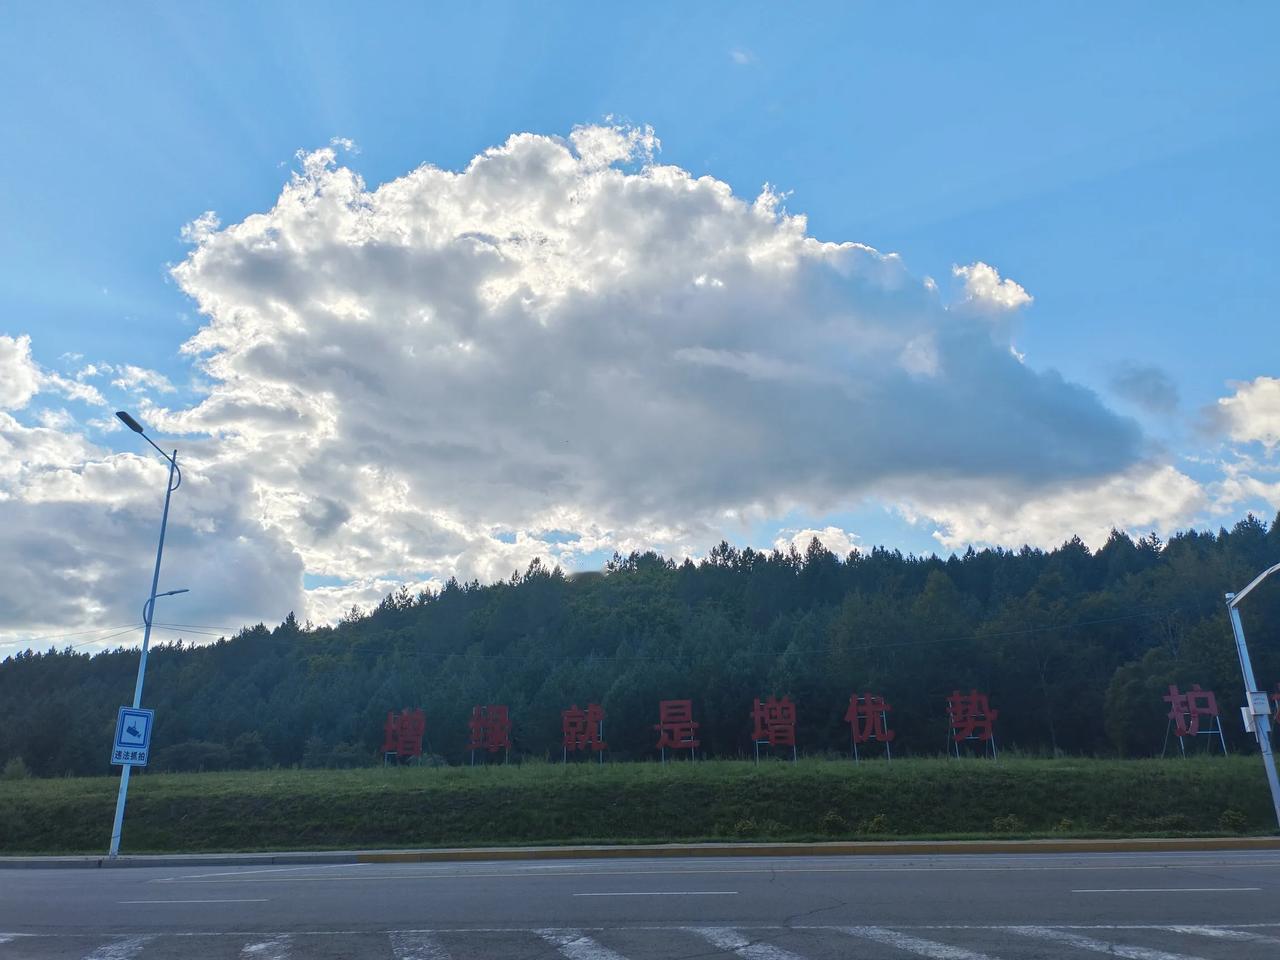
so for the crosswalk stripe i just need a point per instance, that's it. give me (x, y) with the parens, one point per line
(727, 938)
(1225, 933)
(920, 947)
(277, 948)
(416, 946)
(1101, 946)
(576, 945)
(126, 948)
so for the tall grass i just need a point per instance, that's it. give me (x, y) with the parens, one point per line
(639, 802)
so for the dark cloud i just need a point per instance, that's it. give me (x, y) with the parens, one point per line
(1148, 387)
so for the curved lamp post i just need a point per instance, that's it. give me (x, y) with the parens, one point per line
(175, 481)
(1258, 707)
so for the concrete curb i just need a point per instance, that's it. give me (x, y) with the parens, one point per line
(179, 860)
(833, 849)
(846, 849)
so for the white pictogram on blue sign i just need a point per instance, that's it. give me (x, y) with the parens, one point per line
(133, 736)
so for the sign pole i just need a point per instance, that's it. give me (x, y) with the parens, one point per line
(118, 823)
(1261, 724)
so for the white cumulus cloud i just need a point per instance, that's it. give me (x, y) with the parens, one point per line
(983, 287)
(19, 375)
(839, 541)
(565, 347)
(1143, 498)
(1252, 413)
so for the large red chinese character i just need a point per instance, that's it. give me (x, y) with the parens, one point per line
(583, 728)
(867, 718)
(1275, 698)
(775, 721)
(403, 733)
(676, 726)
(971, 716)
(490, 728)
(1186, 709)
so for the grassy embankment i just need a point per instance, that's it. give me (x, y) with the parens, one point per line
(624, 803)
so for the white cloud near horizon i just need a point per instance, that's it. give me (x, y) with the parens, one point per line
(566, 347)
(839, 541)
(1252, 413)
(1142, 499)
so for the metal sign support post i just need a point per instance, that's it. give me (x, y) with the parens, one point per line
(1262, 724)
(147, 611)
(989, 745)
(1215, 730)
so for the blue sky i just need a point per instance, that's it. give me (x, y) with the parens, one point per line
(1116, 161)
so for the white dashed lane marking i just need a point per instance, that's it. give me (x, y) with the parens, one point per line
(416, 946)
(727, 938)
(1224, 933)
(1175, 890)
(126, 948)
(748, 941)
(1101, 946)
(664, 893)
(920, 947)
(576, 945)
(254, 900)
(277, 948)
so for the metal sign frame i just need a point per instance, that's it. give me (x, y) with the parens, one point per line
(129, 748)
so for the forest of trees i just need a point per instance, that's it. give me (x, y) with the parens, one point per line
(1074, 647)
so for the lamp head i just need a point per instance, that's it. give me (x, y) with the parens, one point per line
(129, 422)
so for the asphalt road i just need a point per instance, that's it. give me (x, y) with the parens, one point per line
(1210, 906)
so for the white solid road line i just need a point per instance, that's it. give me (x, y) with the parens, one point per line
(277, 948)
(125, 948)
(242, 872)
(1101, 946)
(416, 946)
(255, 900)
(663, 893)
(433, 872)
(727, 938)
(920, 947)
(1225, 933)
(1176, 890)
(575, 945)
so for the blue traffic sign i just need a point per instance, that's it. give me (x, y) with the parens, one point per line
(133, 737)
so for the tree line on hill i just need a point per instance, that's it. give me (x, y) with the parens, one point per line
(1074, 648)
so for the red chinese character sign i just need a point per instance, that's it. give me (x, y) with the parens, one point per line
(583, 730)
(402, 734)
(677, 730)
(1186, 710)
(972, 719)
(774, 723)
(868, 719)
(490, 730)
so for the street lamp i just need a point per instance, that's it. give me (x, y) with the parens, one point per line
(1259, 710)
(175, 481)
